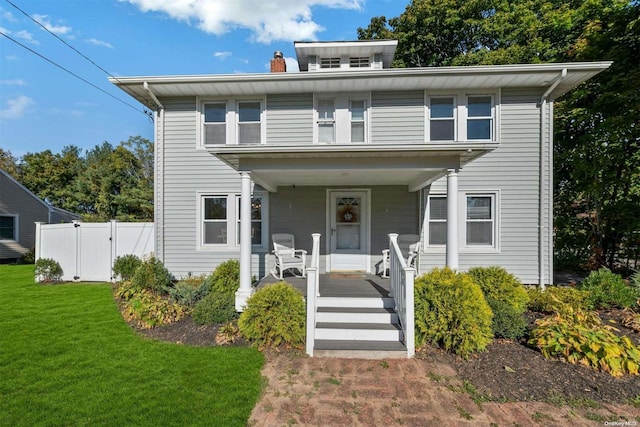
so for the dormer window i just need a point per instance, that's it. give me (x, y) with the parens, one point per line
(330, 62)
(360, 62)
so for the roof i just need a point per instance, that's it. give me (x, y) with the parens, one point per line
(358, 48)
(394, 79)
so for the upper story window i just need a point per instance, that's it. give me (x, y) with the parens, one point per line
(330, 62)
(479, 117)
(357, 110)
(442, 119)
(8, 229)
(249, 122)
(215, 126)
(360, 62)
(326, 121)
(461, 117)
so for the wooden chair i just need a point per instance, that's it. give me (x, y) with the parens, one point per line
(287, 256)
(409, 245)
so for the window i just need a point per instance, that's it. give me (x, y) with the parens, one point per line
(249, 122)
(8, 227)
(359, 62)
(330, 63)
(480, 218)
(437, 220)
(214, 220)
(357, 110)
(479, 117)
(257, 206)
(442, 119)
(215, 127)
(326, 121)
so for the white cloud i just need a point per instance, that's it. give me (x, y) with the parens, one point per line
(8, 16)
(56, 29)
(14, 82)
(222, 55)
(272, 20)
(16, 107)
(101, 43)
(23, 35)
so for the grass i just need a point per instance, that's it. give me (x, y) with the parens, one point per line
(68, 358)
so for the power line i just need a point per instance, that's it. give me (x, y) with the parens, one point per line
(74, 74)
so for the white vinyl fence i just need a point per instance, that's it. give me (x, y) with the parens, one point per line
(86, 250)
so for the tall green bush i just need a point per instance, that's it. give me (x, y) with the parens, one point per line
(451, 312)
(125, 266)
(507, 322)
(215, 308)
(500, 285)
(608, 290)
(153, 275)
(275, 316)
(48, 270)
(225, 278)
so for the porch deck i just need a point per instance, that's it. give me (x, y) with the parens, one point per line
(347, 285)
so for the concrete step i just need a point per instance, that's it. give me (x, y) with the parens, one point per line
(355, 302)
(358, 331)
(360, 349)
(356, 315)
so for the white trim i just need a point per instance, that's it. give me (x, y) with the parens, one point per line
(460, 115)
(231, 224)
(16, 227)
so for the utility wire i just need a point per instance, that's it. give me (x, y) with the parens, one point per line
(73, 74)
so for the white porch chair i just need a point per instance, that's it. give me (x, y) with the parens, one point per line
(287, 256)
(409, 246)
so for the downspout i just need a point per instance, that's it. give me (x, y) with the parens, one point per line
(158, 170)
(541, 219)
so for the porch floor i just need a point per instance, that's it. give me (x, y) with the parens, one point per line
(348, 285)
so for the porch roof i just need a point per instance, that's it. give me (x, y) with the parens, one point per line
(413, 165)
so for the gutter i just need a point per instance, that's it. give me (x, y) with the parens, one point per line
(544, 100)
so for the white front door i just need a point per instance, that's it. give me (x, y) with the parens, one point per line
(348, 230)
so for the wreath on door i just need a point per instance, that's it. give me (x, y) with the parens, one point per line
(347, 213)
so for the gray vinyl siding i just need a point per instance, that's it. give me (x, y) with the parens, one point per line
(397, 117)
(513, 169)
(290, 119)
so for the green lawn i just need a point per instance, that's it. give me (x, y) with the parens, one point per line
(68, 358)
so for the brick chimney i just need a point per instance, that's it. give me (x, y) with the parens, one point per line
(278, 64)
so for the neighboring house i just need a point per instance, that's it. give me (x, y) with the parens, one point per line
(461, 156)
(20, 209)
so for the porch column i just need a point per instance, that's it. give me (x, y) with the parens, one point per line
(245, 242)
(452, 219)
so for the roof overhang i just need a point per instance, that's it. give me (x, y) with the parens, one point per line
(329, 49)
(488, 77)
(413, 165)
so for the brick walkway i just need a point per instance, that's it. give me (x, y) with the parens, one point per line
(350, 392)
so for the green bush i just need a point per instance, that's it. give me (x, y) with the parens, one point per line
(147, 310)
(500, 285)
(580, 338)
(275, 315)
(188, 291)
(125, 266)
(48, 270)
(29, 257)
(634, 281)
(608, 290)
(451, 311)
(507, 322)
(548, 301)
(215, 308)
(225, 278)
(152, 274)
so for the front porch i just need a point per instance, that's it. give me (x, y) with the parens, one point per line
(340, 285)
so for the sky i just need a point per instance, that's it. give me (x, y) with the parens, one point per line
(51, 96)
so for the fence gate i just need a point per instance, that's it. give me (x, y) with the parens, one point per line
(86, 251)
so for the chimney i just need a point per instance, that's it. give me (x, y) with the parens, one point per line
(278, 64)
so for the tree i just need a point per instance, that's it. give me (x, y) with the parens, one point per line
(9, 163)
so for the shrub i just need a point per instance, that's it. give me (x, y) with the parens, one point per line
(188, 291)
(451, 311)
(580, 338)
(48, 270)
(215, 308)
(147, 310)
(275, 315)
(125, 266)
(228, 333)
(29, 257)
(225, 278)
(151, 274)
(507, 322)
(634, 281)
(548, 301)
(126, 290)
(608, 290)
(500, 285)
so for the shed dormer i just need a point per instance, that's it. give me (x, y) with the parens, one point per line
(343, 56)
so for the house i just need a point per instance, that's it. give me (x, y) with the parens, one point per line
(20, 209)
(461, 156)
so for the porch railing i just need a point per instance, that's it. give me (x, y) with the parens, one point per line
(401, 277)
(313, 279)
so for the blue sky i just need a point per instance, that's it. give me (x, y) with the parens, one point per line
(43, 107)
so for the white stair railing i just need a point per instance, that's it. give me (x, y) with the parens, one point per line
(313, 279)
(401, 278)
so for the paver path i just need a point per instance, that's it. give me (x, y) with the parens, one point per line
(353, 392)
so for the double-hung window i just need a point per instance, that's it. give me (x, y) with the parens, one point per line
(214, 220)
(357, 109)
(8, 227)
(249, 122)
(480, 220)
(437, 210)
(442, 118)
(215, 123)
(326, 121)
(479, 117)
